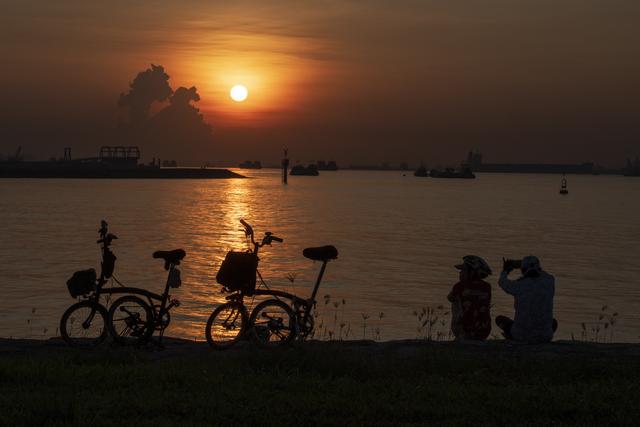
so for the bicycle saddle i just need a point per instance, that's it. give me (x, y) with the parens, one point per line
(322, 253)
(170, 257)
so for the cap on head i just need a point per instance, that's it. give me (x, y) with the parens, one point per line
(475, 264)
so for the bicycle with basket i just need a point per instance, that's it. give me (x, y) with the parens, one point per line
(132, 318)
(274, 322)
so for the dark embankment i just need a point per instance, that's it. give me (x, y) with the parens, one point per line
(339, 383)
(53, 170)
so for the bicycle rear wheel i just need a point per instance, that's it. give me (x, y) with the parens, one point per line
(84, 324)
(273, 324)
(226, 325)
(131, 320)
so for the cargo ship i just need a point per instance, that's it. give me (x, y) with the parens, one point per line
(112, 162)
(464, 173)
(475, 163)
(311, 170)
(248, 164)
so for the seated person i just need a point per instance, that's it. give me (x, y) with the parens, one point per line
(533, 301)
(470, 300)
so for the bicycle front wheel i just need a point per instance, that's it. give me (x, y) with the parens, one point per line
(131, 320)
(226, 325)
(273, 324)
(84, 324)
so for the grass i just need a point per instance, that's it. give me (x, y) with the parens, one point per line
(337, 383)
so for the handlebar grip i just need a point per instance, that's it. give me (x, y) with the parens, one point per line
(248, 230)
(277, 239)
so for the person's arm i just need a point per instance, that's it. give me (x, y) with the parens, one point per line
(507, 285)
(453, 294)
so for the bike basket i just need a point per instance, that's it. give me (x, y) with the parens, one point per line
(238, 272)
(174, 278)
(82, 283)
(108, 263)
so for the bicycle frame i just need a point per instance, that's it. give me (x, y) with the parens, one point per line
(159, 310)
(307, 304)
(156, 306)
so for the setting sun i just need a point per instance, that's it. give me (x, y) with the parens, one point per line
(239, 93)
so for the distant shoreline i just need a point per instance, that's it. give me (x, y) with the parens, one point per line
(480, 171)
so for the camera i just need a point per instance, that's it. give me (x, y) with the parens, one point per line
(511, 264)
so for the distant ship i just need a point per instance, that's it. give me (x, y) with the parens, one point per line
(474, 161)
(330, 166)
(311, 170)
(452, 173)
(248, 164)
(421, 171)
(112, 162)
(463, 173)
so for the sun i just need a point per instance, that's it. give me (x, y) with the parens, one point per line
(239, 93)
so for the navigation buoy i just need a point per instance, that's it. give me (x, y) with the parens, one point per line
(563, 185)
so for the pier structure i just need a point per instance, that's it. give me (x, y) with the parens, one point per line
(285, 165)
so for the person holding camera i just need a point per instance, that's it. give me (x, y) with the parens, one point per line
(533, 296)
(470, 300)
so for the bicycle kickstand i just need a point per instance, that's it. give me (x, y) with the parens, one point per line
(159, 344)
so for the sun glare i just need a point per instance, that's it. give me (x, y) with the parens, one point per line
(239, 93)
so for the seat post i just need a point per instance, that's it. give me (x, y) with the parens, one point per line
(165, 295)
(315, 288)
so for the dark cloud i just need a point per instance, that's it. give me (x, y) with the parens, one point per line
(176, 131)
(183, 97)
(179, 131)
(150, 85)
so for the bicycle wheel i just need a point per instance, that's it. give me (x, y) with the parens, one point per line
(131, 320)
(273, 324)
(84, 324)
(226, 325)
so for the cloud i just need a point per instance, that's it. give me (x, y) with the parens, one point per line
(148, 86)
(183, 96)
(176, 131)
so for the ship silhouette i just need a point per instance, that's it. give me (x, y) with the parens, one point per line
(311, 170)
(248, 164)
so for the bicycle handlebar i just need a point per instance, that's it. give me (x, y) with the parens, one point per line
(107, 239)
(247, 228)
(105, 236)
(277, 239)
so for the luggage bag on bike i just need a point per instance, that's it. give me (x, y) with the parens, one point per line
(82, 282)
(238, 272)
(108, 263)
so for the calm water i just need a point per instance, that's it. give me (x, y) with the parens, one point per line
(398, 238)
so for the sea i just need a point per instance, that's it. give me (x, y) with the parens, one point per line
(398, 238)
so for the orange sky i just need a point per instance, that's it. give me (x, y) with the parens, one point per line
(360, 82)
